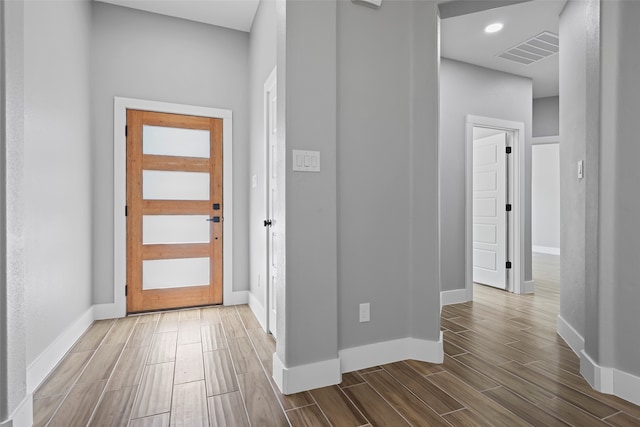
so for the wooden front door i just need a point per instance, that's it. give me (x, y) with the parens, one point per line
(174, 211)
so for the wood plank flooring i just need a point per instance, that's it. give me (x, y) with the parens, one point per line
(504, 366)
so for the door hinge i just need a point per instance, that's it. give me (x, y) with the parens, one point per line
(126, 210)
(508, 264)
(508, 207)
(126, 131)
(126, 290)
(508, 150)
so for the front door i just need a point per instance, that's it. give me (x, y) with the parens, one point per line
(489, 210)
(174, 211)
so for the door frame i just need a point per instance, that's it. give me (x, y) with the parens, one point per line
(229, 297)
(516, 220)
(268, 87)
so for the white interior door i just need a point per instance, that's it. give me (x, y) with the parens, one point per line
(273, 222)
(489, 210)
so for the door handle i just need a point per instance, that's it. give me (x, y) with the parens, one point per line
(214, 219)
(267, 223)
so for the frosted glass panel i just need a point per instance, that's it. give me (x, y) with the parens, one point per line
(175, 273)
(167, 141)
(175, 229)
(164, 185)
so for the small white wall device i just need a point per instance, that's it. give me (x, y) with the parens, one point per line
(370, 3)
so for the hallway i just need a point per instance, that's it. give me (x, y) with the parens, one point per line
(504, 366)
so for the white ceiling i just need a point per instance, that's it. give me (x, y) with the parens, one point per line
(464, 39)
(235, 14)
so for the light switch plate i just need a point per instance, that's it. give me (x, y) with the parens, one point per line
(306, 161)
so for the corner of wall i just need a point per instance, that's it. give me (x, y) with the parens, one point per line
(306, 377)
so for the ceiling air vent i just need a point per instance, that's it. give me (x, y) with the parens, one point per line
(533, 50)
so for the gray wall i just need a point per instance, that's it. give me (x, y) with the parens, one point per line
(13, 360)
(374, 132)
(142, 55)
(469, 89)
(620, 202)
(262, 60)
(573, 84)
(378, 186)
(311, 326)
(546, 116)
(57, 168)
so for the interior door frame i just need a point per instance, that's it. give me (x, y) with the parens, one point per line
(269, 84)
(516, 220)
(229, 297)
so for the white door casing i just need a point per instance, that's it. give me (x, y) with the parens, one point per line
(230, 297)
(516, 220)
(274, 223)
(489, 215)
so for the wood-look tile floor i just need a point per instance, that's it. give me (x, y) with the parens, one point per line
(504, 366)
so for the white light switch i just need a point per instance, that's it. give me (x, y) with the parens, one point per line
(581, 169)
(254, 181)
(306, 161)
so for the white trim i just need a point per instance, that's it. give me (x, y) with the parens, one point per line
(236, 298)
(546, 250)
(544, 140)
(529, 287)
(305, 377)
(516, 282)
(600, 378)
(366, 356)
(120, 195)
(269, 84)
(455, 296)
(610, 380)
(258, 311)
(108, 311)
(23, 415)
(626, 386)
(38, 370)
(570, 335)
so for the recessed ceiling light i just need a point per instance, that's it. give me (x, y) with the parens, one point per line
(493, 28)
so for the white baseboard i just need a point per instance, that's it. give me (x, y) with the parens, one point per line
(626, 386)
(600, 378)
(456, 296)
(529, 287)
(23, 415)
(570, 335)
(258, 310)
(610, 380)
(545, 250)
(305, 377)
(38, 370)
(366, 356)
(236, 298)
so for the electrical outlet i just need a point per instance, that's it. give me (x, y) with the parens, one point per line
(365, 312)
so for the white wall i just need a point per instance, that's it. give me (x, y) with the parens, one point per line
(262, 60)
(57, 168)
(469, 89)
(142, 55)
(546, 116)
(545, 198)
